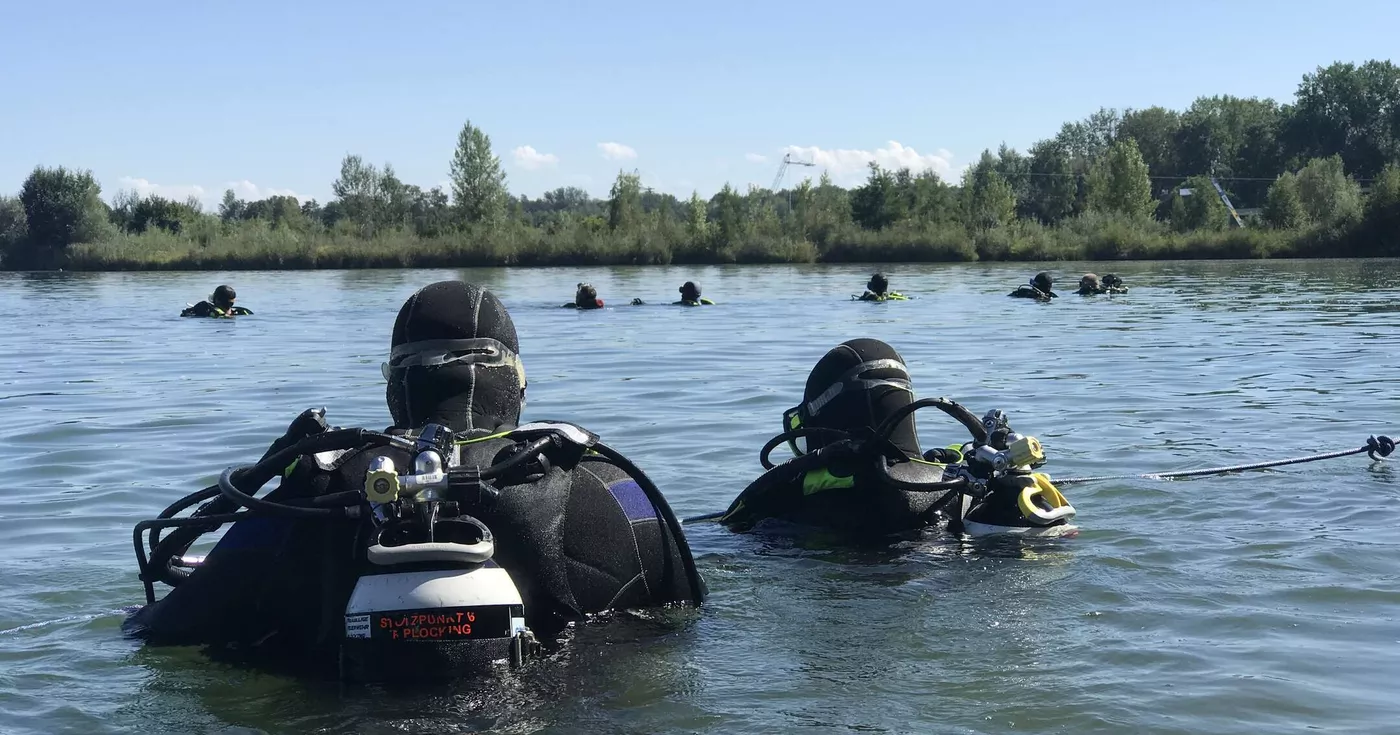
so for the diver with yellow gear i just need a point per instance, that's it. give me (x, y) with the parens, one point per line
(878, 289)
(219, 305)
(862, 471)
(690, 296)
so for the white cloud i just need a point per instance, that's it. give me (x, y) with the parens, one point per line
(530, 159)
(848, 165)
(145, 188)
(755, 157)
(209, 197)
(617, 151)
(249, 191)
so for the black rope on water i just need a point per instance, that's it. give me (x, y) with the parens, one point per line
(1377, 447)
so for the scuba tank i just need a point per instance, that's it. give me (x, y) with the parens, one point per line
(430, 597)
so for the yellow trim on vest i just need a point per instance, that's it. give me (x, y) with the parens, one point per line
(816, 481)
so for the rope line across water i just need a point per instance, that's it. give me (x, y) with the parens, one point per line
(1377, 447)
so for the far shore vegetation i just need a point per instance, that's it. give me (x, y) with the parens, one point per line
(1317, 177)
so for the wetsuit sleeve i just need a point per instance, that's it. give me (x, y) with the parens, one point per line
(203, 308)
(241, 311)
(775, 492)
(621, 551)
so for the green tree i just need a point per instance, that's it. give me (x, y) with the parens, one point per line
(231, 207)
(1232, 137)
(1385, 192)
(1382, 210)
(1329, 196)
(877, 205)
(1283, 207)
(625, 202)
(1155, 131)
(932, 200)
(1051, 190)
(1090, 138)
(137, 214)
(1013, 168)
(729, 225)
(429, 211)
(697, 221)
(478, 183)
(357, 191)
(395, 199)
(987, 200)
(62, 207)
(13, 227)
(1118, 182)
(1351, 111)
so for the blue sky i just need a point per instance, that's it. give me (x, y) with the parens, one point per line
(267, 97)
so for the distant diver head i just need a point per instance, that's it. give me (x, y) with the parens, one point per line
(878, 283)
(223, 296)
(586, 297)
(859, 383)
(454, 360)
(1089, 282)
(1112, 281)
(690, 291)
(1042, 281)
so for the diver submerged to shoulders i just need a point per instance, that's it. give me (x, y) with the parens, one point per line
(451, 543)
(878, 289)
(1040, 288)
(1090, 285)
(219, 305)
(862, 470)
(690, 296)
(585, 297)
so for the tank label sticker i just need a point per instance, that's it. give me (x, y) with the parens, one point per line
(487, 621)
(357, 626)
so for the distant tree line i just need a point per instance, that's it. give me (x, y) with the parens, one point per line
(1301, 167)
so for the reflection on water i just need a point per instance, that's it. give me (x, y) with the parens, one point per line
(1257, 602)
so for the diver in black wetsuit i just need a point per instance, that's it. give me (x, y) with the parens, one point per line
(862, 471)
(578, 529)
(218, 305)
(690, 296)
(1039, 289)
(878, 289)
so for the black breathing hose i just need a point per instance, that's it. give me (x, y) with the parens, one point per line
(257, 475)
(225, 498)
(531, 451)
(798, 433)
(952, 408)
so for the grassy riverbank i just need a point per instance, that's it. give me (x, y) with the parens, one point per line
(256, 247)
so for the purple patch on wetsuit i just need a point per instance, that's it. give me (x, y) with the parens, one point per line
(633, 500)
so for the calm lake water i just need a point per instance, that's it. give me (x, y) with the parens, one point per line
(1261, 602)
